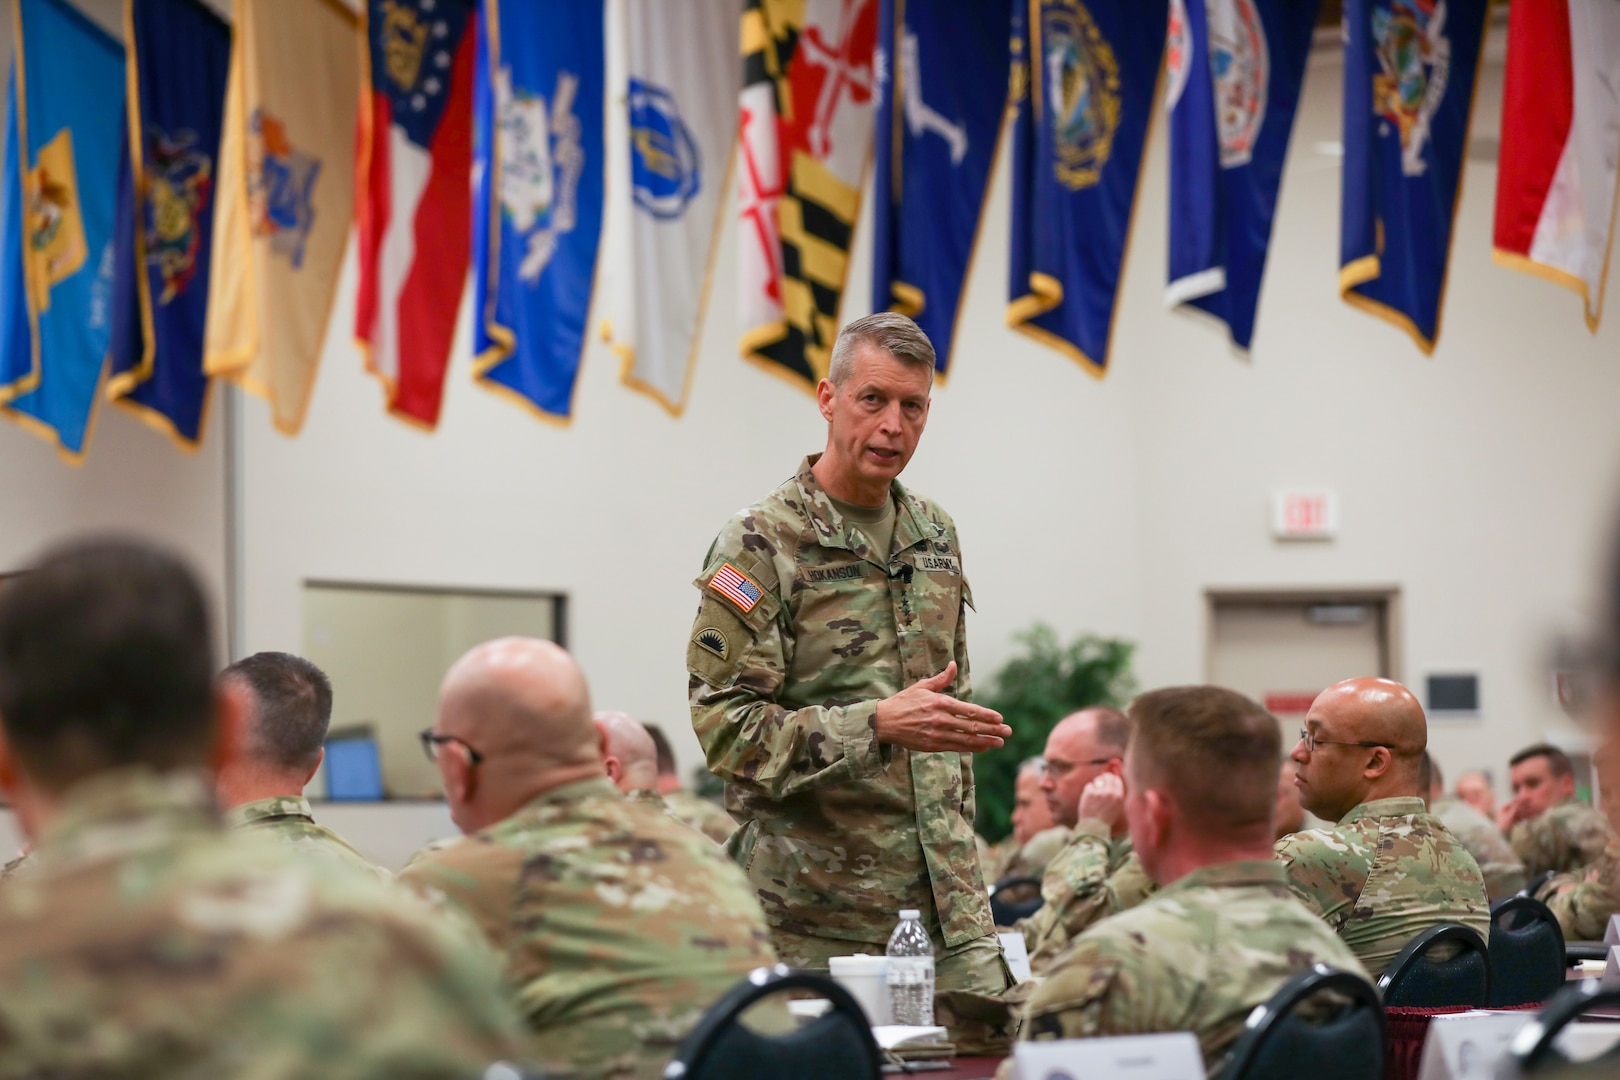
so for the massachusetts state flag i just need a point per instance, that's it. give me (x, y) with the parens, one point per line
(943, 75)
(537, 201)
(1409, 68)
(1555, 185)
(1234, 69)
(179, 55)
(1083, 80)
(64, 127)
(413, 199)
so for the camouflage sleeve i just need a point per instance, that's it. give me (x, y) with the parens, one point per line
(1584, 903)
(736, 664)
(1080, 999)
(1319, 862)
(1072, 890)
(1559, 840)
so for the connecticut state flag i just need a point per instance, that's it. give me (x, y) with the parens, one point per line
(1409, 68)
(942, 70)
(179, 56)
(1234, 69)
(286, 197)
(537, 198)
(1082, 85)
(64, 126)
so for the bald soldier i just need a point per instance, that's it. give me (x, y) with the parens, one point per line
(288, 709)
(706, 817)
(145, 940)
(619, 925)
(630, 758)
(1550, 829)
(1388, 870)
(829, 683)
(1224, 933)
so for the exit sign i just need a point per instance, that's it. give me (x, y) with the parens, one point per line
(1304, 515)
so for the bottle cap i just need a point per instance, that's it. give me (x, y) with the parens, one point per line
(910, 913)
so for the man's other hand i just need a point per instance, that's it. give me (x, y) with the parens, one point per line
(921, 717)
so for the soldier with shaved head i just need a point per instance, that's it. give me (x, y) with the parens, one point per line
(1388, 870)
(619, 925)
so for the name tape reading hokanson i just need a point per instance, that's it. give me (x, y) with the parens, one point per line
(731, 584)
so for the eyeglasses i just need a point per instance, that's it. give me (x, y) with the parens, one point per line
(1312, 742)
(431, 741)
(1057, 770)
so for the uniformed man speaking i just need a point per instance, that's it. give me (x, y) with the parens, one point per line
(829, 683)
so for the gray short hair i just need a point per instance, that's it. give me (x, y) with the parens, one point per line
(1036, 764)
(889, 331)
(292, 707)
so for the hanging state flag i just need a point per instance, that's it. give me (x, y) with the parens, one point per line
(64, 123)
(178, 56)
(413, 199)
(1083, 81)
(681, 95)
(1555, 186)
(285, 198)
(943, 78)
(805, 121)
(1409, 69)
(537, 202)
(1234, 69)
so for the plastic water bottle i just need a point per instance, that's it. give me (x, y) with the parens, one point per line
(911, 971)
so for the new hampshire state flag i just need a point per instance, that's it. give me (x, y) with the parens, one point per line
(1409, 70)
(1083, 79)
(63, 130)
(537, 194)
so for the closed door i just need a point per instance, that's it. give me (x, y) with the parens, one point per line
(1283, 652)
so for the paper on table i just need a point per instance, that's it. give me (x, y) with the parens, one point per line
(894, 1036)
(1017, 954)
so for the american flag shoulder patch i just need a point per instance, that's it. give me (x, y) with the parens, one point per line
(735, 586)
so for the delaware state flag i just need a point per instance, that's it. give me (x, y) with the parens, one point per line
(1409, 68)
(1234, 74)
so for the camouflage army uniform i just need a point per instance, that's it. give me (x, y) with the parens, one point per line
(146, 941)
(1034, 856)
(1583, 902)
(992, 857)
(1385, 873)
(838, 831)
(706, 817)
(1093, 877)
(618, 924)
(289, 819)
(1198, 956)
(1501, 866)
(1564, 839)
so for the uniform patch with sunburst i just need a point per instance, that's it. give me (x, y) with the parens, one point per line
(713, 640)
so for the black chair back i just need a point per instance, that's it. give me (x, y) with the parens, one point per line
(1534, 885)
(1527, 952)
(1532, 1049)
(838, 1043)
(1280, 1043)
(1416, 980)
(1004, 911)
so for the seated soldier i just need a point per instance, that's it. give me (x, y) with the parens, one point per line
(289, 706)
(1224, 933)
(708, 818)
(619, 925)
(1503, 872)
(1550, 829)
(1096, 874)
(1388, 870)
(145, 940)
(631, 759)
(1036, 836)
(1584, 901)
(1474, 788)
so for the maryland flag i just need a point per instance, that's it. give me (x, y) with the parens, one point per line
(806, 112)
(286, 197)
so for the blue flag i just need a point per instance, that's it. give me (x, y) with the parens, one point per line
(180, 53)
(1083, 80)
(1234, 74)
(1409, 68)
(943, 75)
(537, 201)
(64, 126)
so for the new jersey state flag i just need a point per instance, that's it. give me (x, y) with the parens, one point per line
(1555, 183)
(1083, 79)
(413, 200)
(64, 124)
(286, 197)
(942, 69)
(1234, 69)
(179, 55)
(537, 198)
(1409, 68)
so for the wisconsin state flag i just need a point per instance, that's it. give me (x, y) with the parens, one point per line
(286, 197)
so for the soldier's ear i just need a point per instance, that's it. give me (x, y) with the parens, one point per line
(825, 392)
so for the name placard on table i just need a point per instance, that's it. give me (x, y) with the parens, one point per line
(1125, 1057)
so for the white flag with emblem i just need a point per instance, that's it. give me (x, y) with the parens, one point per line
(679, 83)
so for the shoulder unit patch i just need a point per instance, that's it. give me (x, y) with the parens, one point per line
(713, 640)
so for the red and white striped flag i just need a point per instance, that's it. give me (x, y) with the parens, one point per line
(413, 202)
(1555, 188)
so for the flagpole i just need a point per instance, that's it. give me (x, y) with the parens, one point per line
(233, 520)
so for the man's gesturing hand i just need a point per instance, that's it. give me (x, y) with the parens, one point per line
(920, 717)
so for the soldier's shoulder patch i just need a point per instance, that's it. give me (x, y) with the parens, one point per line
(741, 590)
(710, 639)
